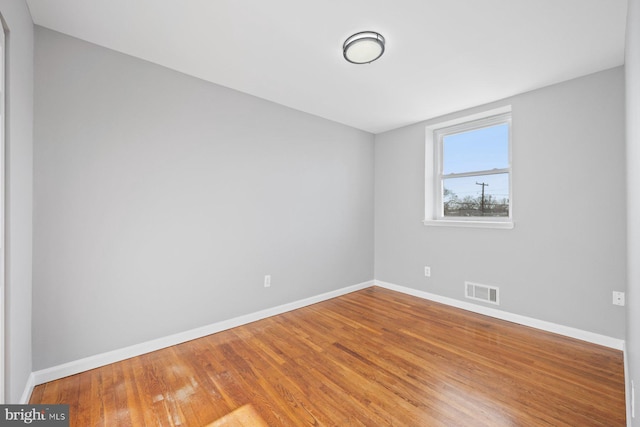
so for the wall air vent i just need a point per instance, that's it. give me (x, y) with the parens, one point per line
(480, 292)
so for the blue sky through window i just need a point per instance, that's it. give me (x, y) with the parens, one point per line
(477, 150)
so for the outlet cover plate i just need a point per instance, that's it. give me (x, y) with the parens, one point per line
(618, 298)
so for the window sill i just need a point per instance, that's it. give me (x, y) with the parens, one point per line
(468, 224)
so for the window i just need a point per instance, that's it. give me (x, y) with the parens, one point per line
(470, 179)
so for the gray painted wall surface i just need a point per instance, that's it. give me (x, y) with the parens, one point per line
(632, 74)
(19, 192)
(161, 201)
(566, 253)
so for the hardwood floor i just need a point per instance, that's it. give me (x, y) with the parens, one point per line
(373, 357)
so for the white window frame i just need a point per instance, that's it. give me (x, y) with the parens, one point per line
(434, 134)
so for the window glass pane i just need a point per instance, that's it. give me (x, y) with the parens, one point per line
(464, 196)
(476, 150)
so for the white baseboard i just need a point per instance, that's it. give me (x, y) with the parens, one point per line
(627, 386)
(74, 367)
(98, 360)
(591, 337)
(28, 389)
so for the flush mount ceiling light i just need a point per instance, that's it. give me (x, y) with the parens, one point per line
(363, 47)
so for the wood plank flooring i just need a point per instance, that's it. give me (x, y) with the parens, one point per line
(370, 358)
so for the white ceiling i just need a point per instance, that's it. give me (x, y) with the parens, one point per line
(441, 55)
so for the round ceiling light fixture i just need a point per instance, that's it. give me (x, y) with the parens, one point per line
(363, 47)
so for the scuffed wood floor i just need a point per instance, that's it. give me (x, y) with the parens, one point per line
(373, 357)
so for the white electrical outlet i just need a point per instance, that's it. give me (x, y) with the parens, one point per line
(618, 298)
(267, 281)
(427, 271)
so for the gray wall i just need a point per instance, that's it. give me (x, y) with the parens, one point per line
(19, 191)
(566, 253)
(632, 74)
(161, 201)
